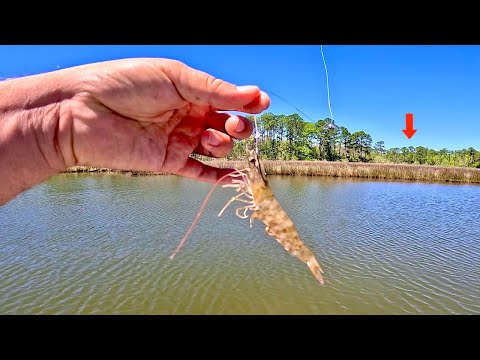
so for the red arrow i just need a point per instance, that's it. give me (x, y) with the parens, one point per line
(409, 126)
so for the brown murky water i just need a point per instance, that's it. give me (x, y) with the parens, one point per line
(99, 244)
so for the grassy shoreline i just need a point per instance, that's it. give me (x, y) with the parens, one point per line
(425, 173)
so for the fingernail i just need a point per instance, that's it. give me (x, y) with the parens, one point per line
(213, 140)
(247, 88)
(240, 126)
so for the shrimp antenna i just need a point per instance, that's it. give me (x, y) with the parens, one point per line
(190, 229)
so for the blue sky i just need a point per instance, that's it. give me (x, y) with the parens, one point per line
(371, 87)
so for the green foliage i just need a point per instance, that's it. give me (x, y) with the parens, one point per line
(289, 137)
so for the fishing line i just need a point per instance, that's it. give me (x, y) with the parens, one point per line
(328, 87)
(328, 91)
(257, 134)
(289, 103)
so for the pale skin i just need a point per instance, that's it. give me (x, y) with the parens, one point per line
(135, 114)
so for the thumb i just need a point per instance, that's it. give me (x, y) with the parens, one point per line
(201, 88)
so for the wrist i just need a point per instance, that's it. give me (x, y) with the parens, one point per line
(32, 114)
(31, 132)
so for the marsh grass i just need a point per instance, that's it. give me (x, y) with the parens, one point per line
(363, 170)
(91, 169)
(338, 169)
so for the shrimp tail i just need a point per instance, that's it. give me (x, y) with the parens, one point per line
(316, 270)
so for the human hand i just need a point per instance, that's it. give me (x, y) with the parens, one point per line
(151, 114)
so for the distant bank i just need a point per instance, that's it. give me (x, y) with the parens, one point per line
(337, 169)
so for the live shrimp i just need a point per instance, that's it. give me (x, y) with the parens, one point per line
(258, 201)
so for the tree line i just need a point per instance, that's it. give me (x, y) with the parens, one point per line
(289, 137)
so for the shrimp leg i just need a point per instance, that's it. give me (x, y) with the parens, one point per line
(235, 198)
